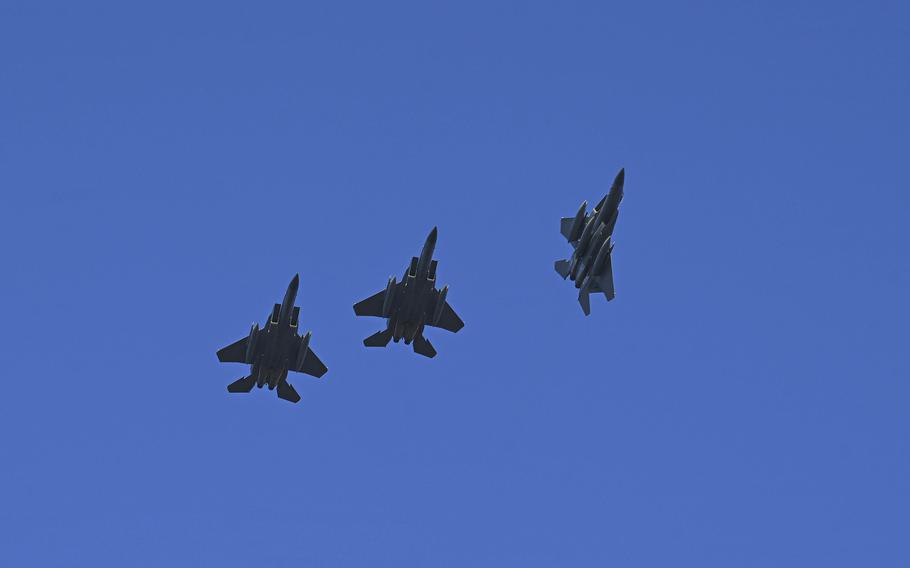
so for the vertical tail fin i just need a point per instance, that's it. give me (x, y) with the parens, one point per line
(378, 339)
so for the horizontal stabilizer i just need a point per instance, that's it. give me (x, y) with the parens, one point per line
(242, 385)
(287, 392)
(378, 339)
(422, 346)
(562, 267)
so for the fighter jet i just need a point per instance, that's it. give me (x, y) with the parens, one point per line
(411, 305)
(591, 266)
(274, 350)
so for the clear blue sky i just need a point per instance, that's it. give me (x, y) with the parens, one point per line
(743, 402)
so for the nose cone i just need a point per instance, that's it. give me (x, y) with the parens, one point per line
(426, 254)
(620, 178)
(287, 305)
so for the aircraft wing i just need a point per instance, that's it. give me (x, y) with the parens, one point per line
(603, 282)
(565, 227)
(235, 352)
(312, 365)
(372, 306)
(449, 320)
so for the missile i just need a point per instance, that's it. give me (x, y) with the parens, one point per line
(251, 343)
(389, 299)
(304, 349)
(440, 305)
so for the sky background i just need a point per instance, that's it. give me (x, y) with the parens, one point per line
(165, 169)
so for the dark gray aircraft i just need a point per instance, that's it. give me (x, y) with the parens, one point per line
(411, 305)
(591, 266)
(274, 350)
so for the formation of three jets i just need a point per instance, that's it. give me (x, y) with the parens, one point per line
(414, 303)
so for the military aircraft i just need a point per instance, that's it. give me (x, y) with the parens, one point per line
(274, 350)
(411, 305)
(591, 264)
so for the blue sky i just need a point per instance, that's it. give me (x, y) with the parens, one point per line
(165, 170)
